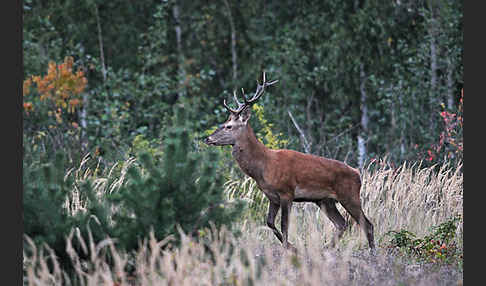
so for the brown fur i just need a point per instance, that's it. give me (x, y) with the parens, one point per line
(280, 173)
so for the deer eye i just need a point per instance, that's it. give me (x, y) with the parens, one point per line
(229, 126)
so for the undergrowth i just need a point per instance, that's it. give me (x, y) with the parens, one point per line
(416, 211)
(438, 247)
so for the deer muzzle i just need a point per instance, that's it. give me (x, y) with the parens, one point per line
(208, 141)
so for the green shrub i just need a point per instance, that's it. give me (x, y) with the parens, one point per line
(185, 191)
(161, 192)
(47, 214)
(438, 247)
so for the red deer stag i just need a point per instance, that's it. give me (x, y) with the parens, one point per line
(287, 176)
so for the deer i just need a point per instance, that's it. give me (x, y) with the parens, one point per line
(287, 176)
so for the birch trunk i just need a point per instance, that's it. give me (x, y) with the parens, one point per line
(100, 43)
(364, 119)
(181, 75)
(233, 43)
(432, 30)
(450, 85)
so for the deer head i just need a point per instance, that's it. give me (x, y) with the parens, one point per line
(235, 126)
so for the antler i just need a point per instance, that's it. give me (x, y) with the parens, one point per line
(248, 102)
(241, 106)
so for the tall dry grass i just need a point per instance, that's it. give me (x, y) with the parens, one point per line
(409, 197)
(104, 180)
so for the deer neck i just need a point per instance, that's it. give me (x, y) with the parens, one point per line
(250, 154)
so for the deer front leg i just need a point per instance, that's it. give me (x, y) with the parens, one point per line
(272, 213)
(286, 205)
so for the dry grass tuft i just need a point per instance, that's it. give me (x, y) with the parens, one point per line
(103, 180)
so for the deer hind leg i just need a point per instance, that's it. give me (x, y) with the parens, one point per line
(329, 208)
(286, 205)
(272, 213)
(354, 209)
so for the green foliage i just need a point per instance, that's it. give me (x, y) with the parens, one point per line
(176, 188)
(48, 211)
(401, 238)
(394, 43)
(184, 192)
(141, 145)
(438, 247)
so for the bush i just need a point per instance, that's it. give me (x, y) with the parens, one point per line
(185, 193)
(47, 213)
(51, 109)
(438, 247)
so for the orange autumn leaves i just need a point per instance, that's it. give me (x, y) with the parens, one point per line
(60, 85)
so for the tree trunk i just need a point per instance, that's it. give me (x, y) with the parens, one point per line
(305, 143)
(364, 120)
(181, 74)
(100, 42)
(450, 84)
(84, 110)
(403, 124)
(233, 43)
(309, 117)
(433, 92)
(433, 61)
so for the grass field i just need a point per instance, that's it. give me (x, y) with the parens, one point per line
(409, 197)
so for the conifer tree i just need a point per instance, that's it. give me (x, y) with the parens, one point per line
(183, 192)
(46, 217)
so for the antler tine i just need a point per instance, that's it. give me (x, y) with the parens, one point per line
(227, 107)
(258, 92)
(272, 82)
(247, 102)
(236, 98)
(244, 96)
(241, 105)
(260, 89)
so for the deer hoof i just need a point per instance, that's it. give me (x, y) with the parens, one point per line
(290, 247)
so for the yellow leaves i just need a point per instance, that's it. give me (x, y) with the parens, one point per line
(272, 141)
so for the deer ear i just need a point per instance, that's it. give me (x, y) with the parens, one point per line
(245, 114)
